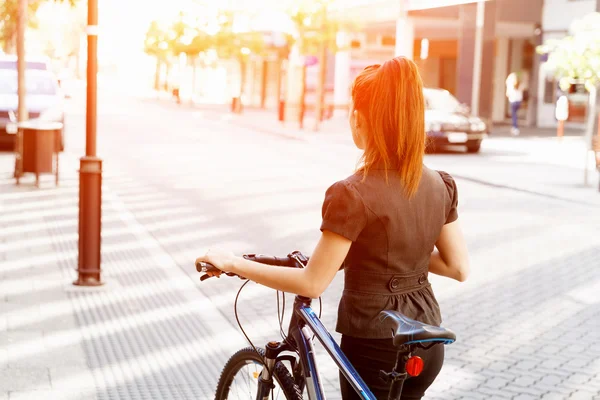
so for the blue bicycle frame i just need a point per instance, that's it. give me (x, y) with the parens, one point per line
(307, 325)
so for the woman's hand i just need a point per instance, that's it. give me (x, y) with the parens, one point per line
(223, 260)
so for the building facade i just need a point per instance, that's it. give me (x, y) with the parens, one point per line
(466, 47)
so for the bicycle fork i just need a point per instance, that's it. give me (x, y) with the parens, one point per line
(272, 355)
(265, 381)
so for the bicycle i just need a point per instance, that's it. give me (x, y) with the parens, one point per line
(269, 371)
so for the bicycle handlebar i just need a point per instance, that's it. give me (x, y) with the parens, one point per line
(292, 260)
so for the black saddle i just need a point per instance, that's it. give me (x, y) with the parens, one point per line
(408, 331)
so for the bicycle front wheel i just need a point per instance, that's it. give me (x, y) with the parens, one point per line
(239, 379)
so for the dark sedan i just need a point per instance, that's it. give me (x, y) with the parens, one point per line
(448, 122)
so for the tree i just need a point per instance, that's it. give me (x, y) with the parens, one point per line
(316, 34)
(61, 42)
(232, 44)
(576, 58)
(156, 44)
(188, 36)
(185, 35)
(8, 20)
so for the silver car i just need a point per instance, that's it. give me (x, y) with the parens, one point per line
(44, 100)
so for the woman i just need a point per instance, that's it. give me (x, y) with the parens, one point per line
(382, 224)
(514, 93)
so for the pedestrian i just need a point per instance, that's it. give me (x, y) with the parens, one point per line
(514, 93)
(177, 95)
(381, 226)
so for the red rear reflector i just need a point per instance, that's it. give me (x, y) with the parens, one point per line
(414, 366)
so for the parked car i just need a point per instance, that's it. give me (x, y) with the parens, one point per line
(44, 101)
(447, 121)
(8, 61)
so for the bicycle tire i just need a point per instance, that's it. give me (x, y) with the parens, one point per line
(246, 356)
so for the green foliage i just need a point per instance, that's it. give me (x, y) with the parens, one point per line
(156, 42)
(230, 43)
(315, 27)
(576, 57)
(8, 18)
(187, 35)
(190, 35)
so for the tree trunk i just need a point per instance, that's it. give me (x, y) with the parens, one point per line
(157, 74)
(21, 88)
(319, 103)
(194, 61)
(303, 98)
(243, 71)
(21, 25)
(302, 92)
(168, 71)
(263, 84)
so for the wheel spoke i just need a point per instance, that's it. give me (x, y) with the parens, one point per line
(243, 380)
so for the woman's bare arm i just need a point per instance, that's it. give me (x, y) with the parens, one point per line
(311, 281)
(451, 258)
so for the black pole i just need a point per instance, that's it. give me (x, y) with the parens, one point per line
(90, 172)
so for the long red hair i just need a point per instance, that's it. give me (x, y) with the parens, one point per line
(390, 98)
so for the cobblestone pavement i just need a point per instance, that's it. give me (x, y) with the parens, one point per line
(177, 183)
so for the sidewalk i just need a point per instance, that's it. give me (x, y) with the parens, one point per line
(149, 333)
(503, 130)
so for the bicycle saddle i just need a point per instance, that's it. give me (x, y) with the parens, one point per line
(409, 331)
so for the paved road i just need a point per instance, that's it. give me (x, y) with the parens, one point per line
(178, 182)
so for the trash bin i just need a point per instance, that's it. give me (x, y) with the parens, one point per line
(38, 147)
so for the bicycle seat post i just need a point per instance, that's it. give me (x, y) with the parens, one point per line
(398, 374)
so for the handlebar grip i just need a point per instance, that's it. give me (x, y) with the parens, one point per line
(202, 266)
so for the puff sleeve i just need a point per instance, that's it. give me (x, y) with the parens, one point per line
(452, 198)
(343, 211)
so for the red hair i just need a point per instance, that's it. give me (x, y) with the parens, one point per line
(390, 97)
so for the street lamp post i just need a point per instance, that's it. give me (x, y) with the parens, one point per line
(90, 172)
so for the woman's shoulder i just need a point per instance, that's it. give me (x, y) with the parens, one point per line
(351, 183)
(435, 175)
(446, 183)
(440, 179)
